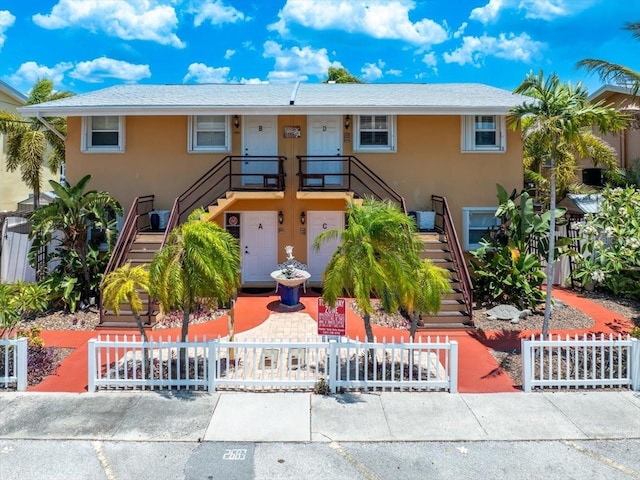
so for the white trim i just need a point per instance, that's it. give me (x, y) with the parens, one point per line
(260, 110)
(468, 131)
(86, 145)
(467, 227)
(391, 145)
(192, 132)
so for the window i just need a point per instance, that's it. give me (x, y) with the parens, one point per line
(375, 133)
(483, 133)
(103, 134)
(209, 133)
(476, 221)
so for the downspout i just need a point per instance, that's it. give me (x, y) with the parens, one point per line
(57, 133)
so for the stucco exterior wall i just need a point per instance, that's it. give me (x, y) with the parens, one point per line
(428, 161)
(12, 188)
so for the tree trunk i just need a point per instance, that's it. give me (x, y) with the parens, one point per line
(183, 338)
(145, 351)
(367, 327)
(414, 326)
(552, 244)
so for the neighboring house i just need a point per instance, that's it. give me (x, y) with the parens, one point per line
(12, 188)
(275, 164)
(625, 143)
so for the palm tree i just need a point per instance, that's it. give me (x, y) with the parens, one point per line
(586, 145)
(122, 285)
(557, 115)
(379, 255)
(66, 221)
(614, 72)
(27, 140)
(200, 262)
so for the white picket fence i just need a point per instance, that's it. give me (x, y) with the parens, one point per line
(589, 361)
(13, 363)
(272, 365)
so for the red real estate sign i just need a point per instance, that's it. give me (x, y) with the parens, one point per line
(332, 321)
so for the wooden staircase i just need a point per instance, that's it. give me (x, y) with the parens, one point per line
(453, 312)
(141, 252)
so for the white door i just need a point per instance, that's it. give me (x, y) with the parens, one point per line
(319, 222)
(324, 138)
(260, 137)
(259, 234)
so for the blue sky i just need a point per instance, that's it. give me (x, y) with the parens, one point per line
(85, 45)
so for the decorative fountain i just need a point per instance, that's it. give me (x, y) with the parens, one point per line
(290, 276)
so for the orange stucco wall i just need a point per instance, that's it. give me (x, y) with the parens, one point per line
(428, 161)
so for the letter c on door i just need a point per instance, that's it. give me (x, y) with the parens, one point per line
(324, 226)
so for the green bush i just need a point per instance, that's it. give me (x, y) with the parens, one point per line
(610, 251)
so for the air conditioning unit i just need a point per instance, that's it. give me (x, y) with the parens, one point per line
(592, 177)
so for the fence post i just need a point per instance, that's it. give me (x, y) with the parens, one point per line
(91, 385)
(453, 366)
(21, 364)
(526, 365)
(211, 365)
(634, 364)
(333, 367)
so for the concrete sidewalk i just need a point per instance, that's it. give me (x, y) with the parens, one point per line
(304, 417)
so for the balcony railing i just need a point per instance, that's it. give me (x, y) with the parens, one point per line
(343, 173)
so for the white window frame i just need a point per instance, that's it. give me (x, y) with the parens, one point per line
(490, 220)
(193, 146)
(87, 143)
(468, 134)
(391, 130)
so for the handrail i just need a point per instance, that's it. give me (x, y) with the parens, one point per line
(369, 180)
(457, 255)
(205, 189)
(130, 229)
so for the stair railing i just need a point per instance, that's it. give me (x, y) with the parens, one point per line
(444, 223)
(137, 220)
(224, 176)
(354, 176)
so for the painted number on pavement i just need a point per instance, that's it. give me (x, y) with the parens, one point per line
(235, 454)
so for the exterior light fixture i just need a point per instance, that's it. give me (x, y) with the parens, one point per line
(347, 122)
(236, 121)
(303, 218)
(280, 217)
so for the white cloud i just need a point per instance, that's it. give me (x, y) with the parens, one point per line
(253, 81)
(386, 19)
(30, 72)
(372, 71)
(394, 72)
(295, 63)
(152, 20)
(96, 70)
(549, 9)
(430, 59)
(6, 20)
(489, 12)
(217, 13)
(458, 33)
(509, 47)
(201, 73)
(229, 53)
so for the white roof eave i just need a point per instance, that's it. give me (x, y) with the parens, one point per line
(35, 110)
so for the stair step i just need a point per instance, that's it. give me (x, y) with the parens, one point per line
(445, 326)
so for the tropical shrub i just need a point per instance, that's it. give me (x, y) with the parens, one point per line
(65, 223)
(507, 266)
(610, 250)
(19, 301)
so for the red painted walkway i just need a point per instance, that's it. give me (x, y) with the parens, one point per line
(478, 370)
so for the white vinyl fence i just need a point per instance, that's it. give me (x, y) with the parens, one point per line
(272, 365)
(13, 363)
(576, 362)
